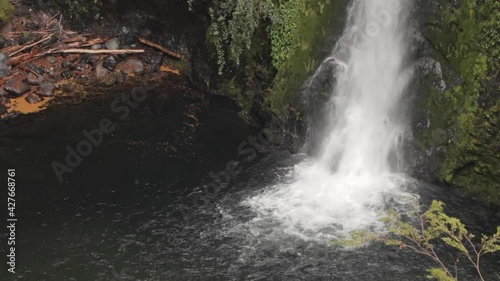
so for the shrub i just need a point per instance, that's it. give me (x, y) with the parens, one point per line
(432, 226)
(234, 23)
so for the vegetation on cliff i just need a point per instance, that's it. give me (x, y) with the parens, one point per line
(284, 36)
(467, 36)
(234, 24)
(79, 11)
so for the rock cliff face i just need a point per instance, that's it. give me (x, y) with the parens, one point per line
(457, 102)
(287, 47)
(321, 23)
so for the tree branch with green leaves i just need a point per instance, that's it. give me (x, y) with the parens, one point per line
(432, 227)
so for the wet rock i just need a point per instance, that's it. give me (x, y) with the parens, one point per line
(4, 72)
(67, 74)
(130, 65)
(33, 79)
(4, 58)
(4, 65)
(46, 89)
(156, 61)
(101, 71)
(125, 30)
(38, 69)
(96, 47)
(3, 94)
(31, 98)
(109, 80)
(16, 87)
(81, 67)
(110, 63)
(66, 64)
(52, 59)
(112, 44)
(120, 78)
(67, 88)
(93, 60)
(3, 109)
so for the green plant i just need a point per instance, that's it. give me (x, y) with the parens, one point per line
(234, 23)
(432, 226)
(232, 28)
(285, 20)
(467, 34)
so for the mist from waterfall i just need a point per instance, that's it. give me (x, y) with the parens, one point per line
(358, 169)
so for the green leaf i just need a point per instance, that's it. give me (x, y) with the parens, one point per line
(439, 274)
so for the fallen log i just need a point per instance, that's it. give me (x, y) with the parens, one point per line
(161, 48)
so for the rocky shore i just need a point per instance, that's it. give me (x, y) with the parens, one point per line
(41, 59)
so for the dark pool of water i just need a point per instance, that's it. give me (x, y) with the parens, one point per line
(119, 214)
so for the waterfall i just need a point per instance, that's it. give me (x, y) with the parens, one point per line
(347, 186)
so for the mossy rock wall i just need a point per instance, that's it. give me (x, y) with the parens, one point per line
(457, 113)
(282, 56)
(321, 21)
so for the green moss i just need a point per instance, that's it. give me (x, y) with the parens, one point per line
(287, 37)
(244, 99)
(318, 21)
(467, 35)
(6, 9)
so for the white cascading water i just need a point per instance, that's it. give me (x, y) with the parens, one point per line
(348, 185)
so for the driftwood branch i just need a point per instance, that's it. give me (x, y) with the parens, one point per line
(161, 48)
(92, 42)
(87, 51)
(78, 38)
(45, 38)
(19, 59)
